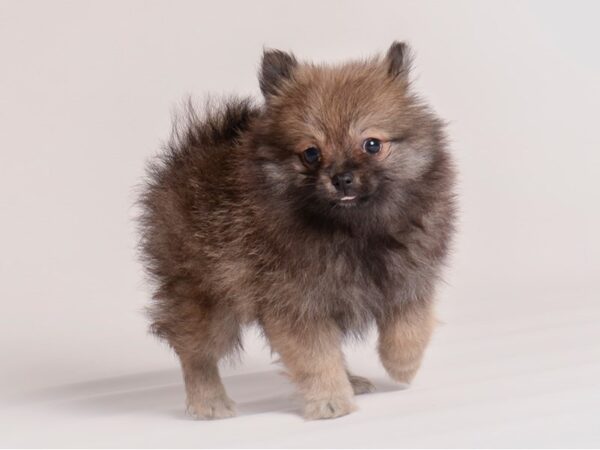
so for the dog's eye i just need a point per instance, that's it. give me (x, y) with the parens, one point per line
(311, 155)
(371, 145)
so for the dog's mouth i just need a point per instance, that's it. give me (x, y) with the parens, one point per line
(350, 201)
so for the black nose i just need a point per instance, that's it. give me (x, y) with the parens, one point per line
(342, 181)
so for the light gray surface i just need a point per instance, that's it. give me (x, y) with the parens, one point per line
(86, 91)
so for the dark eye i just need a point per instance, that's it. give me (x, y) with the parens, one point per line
(371, 145)
(311, 155)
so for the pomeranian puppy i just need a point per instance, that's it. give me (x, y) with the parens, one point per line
(326, 208)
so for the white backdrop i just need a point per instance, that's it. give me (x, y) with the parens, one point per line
(86, 95)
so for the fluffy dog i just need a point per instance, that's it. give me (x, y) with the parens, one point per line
(324, 209)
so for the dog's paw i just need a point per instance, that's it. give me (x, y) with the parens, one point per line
(360, 385)
(402, 373)
(209, 409)
(328, 408)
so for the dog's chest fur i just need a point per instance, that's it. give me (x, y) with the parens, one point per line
(351, 280)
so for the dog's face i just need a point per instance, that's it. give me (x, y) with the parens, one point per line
(341, 142)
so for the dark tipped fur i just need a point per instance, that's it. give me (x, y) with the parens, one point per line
(237, 229)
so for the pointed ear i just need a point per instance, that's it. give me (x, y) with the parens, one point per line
(276, 66)
(399, 60)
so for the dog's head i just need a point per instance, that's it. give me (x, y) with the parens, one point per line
(343, 142)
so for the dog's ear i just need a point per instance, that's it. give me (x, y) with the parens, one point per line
(276, 67)
(398, 60)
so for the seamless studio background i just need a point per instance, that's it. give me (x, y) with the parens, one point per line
(87, 90)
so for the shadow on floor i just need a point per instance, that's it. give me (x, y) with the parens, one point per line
(161, 392)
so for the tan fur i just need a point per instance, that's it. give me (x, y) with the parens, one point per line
(206, 396)
(315, 362)
(360, 385)
(403, 338)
